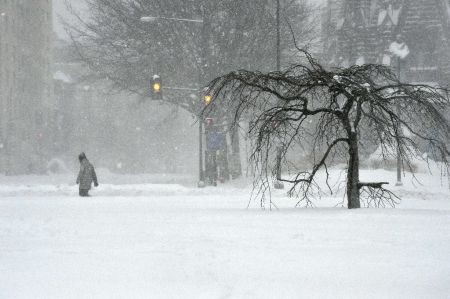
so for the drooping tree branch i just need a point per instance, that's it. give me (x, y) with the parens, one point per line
(331, 110)
(375, 195)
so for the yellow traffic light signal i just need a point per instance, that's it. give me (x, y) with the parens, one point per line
(207, 99)
(156, 87)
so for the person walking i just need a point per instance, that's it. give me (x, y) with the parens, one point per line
(86, 175)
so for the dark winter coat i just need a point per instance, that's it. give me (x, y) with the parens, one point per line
(87, 175)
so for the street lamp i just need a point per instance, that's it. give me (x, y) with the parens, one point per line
(150, 19)
(400, 50)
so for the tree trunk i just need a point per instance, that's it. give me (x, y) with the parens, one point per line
(353, 173)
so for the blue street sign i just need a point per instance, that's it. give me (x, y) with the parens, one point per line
(215, 141)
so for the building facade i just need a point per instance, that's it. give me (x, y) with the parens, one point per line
(26, 101)
(362, 31)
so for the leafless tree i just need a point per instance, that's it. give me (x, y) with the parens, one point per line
(331, 108)
(116, 45)
(110, 38)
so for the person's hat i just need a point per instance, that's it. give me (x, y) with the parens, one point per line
(81, 156)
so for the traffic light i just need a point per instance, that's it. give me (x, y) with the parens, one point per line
(156, 86)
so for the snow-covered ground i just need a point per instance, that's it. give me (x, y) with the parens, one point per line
(148, 237)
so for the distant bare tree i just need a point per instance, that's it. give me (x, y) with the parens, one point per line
(110, 38)
(331, 107)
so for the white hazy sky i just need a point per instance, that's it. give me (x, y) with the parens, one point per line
(59, 10)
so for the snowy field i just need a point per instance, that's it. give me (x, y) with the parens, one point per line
(148, 237)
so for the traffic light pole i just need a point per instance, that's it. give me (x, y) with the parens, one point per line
(201, 78)
(201, 178)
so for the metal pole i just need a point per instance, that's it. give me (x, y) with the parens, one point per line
(200, 153)
(200, 81)
(278, 37)
(399, 158)
(201, 175)
(278, 183)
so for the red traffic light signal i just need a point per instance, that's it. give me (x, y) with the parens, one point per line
(209, 122)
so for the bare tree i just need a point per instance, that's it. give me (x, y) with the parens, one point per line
(111, 39)
(116, 45)
(332, 107)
